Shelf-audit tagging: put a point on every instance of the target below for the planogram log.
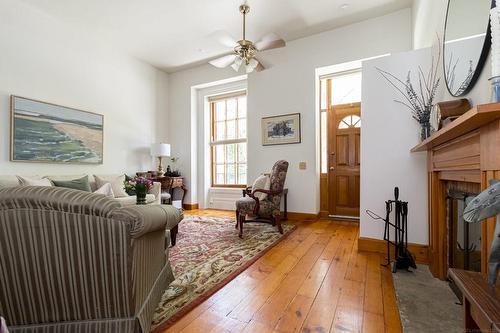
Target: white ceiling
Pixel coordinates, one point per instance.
(174, 34)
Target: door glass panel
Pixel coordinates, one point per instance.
(324, 145)
(346, 88)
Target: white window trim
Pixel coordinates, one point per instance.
(200, 95)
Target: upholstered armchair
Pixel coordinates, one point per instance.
(267, 209)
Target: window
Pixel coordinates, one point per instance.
(229, 140)
(350, 122)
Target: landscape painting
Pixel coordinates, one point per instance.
(278, 130)
(45, 132)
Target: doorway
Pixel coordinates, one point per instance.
(340, 145)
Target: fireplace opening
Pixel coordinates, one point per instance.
(464, 239)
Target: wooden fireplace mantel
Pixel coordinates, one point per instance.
(473, 119)
(466, 153)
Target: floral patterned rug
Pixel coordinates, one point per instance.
(208, 255)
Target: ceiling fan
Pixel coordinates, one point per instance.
(244, 51)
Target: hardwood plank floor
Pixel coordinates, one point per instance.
(313, 281)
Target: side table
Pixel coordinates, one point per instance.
(169, 184)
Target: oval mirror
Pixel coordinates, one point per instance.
(466, 43)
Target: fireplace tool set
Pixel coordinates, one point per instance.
(403, 259)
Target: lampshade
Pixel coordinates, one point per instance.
(160, 149)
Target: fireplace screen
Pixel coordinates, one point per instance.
(464, 239)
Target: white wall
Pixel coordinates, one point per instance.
(42, 59)
(388, 134)
(428, 23)
(287, 86)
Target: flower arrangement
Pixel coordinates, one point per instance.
(140, 186)
(418, 97)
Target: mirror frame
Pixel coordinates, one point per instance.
(482, 57)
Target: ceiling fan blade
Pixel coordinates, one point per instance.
(259, 67)
(225, 38)
(269, 41)
(224, 61)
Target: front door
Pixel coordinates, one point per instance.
(344, 134)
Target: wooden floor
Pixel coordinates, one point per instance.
(313, 281)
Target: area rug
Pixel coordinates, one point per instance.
(426, 304)
(208, 255)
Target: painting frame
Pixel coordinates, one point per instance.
(99, 146)
(266, 122)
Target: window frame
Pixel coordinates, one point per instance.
(214, 143)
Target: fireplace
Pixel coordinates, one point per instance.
(464, 239)
(462, 157)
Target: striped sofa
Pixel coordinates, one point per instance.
(72, 261)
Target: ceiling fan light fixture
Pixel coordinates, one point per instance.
(237, 64)
(245, 50)
(251, 65)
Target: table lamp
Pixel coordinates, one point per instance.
(160, 150)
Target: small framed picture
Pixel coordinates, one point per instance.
(281, 130)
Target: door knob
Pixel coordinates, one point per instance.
(332, 168)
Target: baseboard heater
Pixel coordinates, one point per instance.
(343, 217)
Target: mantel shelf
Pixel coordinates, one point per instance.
(472, 120)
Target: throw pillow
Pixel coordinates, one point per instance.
(262, 182)
(117, 184)
(105, 189)
(81, 184)
(34, 182)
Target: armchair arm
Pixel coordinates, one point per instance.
(257, 203)
(156, 190)
(268, 192)
(145, 219)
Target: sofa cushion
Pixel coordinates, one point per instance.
(25, 181)
(81, 184)
(132, 200)
(8, 181)
(116, 181)
(105, 189)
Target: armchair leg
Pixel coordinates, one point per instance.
(237, 219)
(241, 220)
(173, 234)
(277, 220)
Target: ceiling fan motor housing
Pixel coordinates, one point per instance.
(245, 50)
(244, 9)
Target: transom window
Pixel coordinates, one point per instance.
(352, 121)
(229, 140)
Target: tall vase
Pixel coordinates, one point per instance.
(140, 192)
(425, 130)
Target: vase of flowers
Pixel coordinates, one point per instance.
(425, 130)
(140, 186)
(418, 96)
